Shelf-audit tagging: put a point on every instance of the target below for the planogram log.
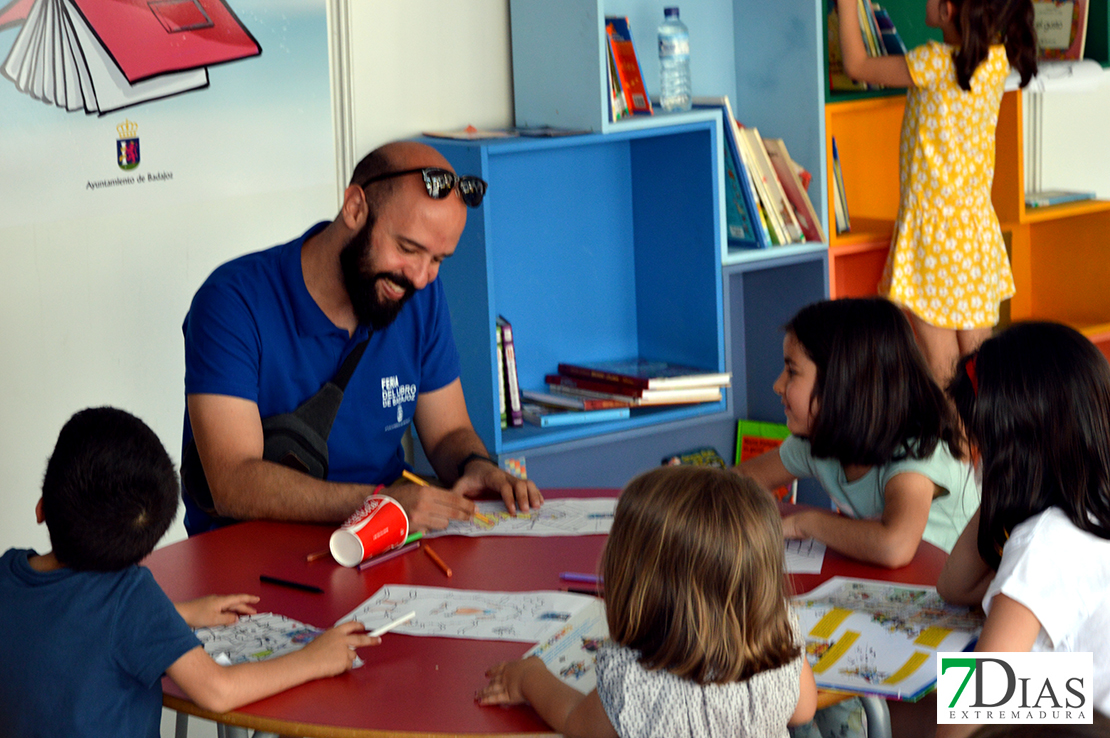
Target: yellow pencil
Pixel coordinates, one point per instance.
(414, 479)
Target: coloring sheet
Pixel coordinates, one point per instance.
(255, 638)
(880, 638)
(563, 517)
(457, 613)
(804, 556)
(571, 652)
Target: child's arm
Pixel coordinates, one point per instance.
(767, 469)
(965, 577)
(562, 707)
(1012, 627)
(807, 701)
(890, 71)
(205, 612)
(223, 688)
(890, 541)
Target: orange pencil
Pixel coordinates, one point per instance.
(438, 561)
(316, 556)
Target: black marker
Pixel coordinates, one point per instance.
(287, 583)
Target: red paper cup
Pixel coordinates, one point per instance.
(379, 525)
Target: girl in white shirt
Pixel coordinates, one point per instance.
(1035, 402)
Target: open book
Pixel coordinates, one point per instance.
(880, 638)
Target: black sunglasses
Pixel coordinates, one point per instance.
(439, 183)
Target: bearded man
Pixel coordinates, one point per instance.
(267, 330)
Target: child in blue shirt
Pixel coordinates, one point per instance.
(90, 633)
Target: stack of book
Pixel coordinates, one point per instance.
(762, 179)
(611, 385)
(880, 37)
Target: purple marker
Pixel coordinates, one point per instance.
(571, 576)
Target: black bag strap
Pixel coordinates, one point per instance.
(347, 368)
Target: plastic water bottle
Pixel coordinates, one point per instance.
(674, 63)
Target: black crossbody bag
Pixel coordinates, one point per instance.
(297, 439)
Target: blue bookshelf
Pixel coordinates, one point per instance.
(598, 246)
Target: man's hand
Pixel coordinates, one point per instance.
(431, 508)
(517, 493)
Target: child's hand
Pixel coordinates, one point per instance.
(791, 528)
(334, 649)
(505, 682)
(212, 610)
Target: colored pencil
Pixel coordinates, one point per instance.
(292, 585)
(582, 591)
(414, 479)
(573, 576)
(393, 624)
(316, 556)
(438, 561)
(380, 558)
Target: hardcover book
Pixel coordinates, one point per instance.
(792, 187)
(547, 417)
(645, 374)
(1045, 198)
(568, 402)
(595, 389)
(1061, 28)
(512, 387)
(628, 68)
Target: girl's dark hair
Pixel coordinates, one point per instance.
(876, 400)
(110, 491)
(985, 22)
(693, 573)
(1035, 401)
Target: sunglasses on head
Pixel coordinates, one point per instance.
(439, 183)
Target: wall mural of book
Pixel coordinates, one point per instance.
(100, 56)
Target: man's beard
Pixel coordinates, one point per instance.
(362, 288)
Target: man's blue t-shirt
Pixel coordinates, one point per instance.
(84, 652)
(253, 331)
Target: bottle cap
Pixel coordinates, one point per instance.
(668, 12)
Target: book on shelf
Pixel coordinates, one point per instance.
(595, 389)
(512, 386)
(838, 78)
(618, 107)
(892, 41)
(623, 49)
(746, 227)
(1046, 198)
(547, 417)
(1061, 27)
(840, 198)
(501, 377)
(645, 374)
(704, 456)
(795, 192)
(777, 205)
(755, 438)
(568, 402)
(870, 28)
(881, 638)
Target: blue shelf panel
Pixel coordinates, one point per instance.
(594, 247)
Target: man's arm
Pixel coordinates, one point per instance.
(228, 433)
(448, 438)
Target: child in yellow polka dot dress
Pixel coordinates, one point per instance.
(948, 264)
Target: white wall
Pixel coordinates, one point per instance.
(91, 310)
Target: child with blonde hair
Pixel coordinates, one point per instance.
(703, 640)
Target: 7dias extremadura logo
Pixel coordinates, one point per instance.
(1014, 688)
